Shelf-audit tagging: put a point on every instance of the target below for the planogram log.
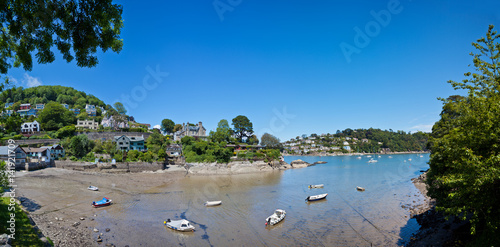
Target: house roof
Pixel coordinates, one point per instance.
(132, 138)
(4, 150)
(34, 150)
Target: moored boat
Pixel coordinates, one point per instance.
(94, 188)
(104, 202)
(213, 203)
(278, 216)
(316, 186)
(316, 197)
(360, 188)
(372, 161)
(179, 225)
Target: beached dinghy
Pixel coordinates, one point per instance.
(104, 202)
(316, 197)
(213, 203)
(275, 218)
(93, 188)
(360, 188)
(179, 225)
(316, 186)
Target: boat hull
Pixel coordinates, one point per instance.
(316, 197)
(213, 203)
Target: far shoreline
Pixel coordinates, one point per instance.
(357, 154)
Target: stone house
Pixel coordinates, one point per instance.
(188, 130)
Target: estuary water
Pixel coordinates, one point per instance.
(346, 218)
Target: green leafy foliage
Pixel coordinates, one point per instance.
(75, 28)
(25, 233)
(464, 173)
(167, 125)
(55, 116)
(80, 145)
(4, 182)
(223, 132)
(203, 151)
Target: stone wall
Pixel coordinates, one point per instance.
(73, 165)
(110, 135)
(45, 142)
(119, 166)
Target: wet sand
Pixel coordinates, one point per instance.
(60, 203)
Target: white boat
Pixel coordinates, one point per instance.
(316, 186)
(359, 157)
(275, 218)
(372, 161)
(390, 157)
(94, 188)
(179, 225)
(213, 203)
(409, 159)
(421, 156)
(380, 156)
(316, 197)
(369, 156)
(360, 188)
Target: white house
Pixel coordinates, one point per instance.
(90, 109)
(30, 127)
(40, 154)
(87, 124)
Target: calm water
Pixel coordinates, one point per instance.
(346, 218)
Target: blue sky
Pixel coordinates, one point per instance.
(282, 63)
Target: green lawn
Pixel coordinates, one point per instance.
(25, 234)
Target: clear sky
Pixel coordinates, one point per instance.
(292, 67)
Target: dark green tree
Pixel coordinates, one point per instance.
(55, 116)
(76, 28)
(80, 145)
(464, 173)
(167, 125)
(270, 141)
(242, 127)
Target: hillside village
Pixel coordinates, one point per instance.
(68, 126)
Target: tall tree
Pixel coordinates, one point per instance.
(223, 132)
(464, 173)
(270, 141)
(120, 108)
(177, 127)
(242, 127)
(75, 28)
(167, 126)
(80, 145)
(55, 116)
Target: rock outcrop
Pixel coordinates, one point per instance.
(299, 164)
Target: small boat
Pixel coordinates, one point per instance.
(104, 202)
(380, 156)
(316, 197)
(212, 203)
(275, 218)
(94, 188)
(359, 157)
(409, 159)
(360, 188)
(390, 157)
(369, 156)
(316, 186)
(421, 156)
(372, 161)
(179, 225)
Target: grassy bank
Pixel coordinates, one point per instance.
(25, 235)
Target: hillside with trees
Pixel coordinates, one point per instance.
(358, 141)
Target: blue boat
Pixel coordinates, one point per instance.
(104, 202)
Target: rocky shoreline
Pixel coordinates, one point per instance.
(434, 230)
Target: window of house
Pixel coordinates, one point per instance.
(121, 143)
